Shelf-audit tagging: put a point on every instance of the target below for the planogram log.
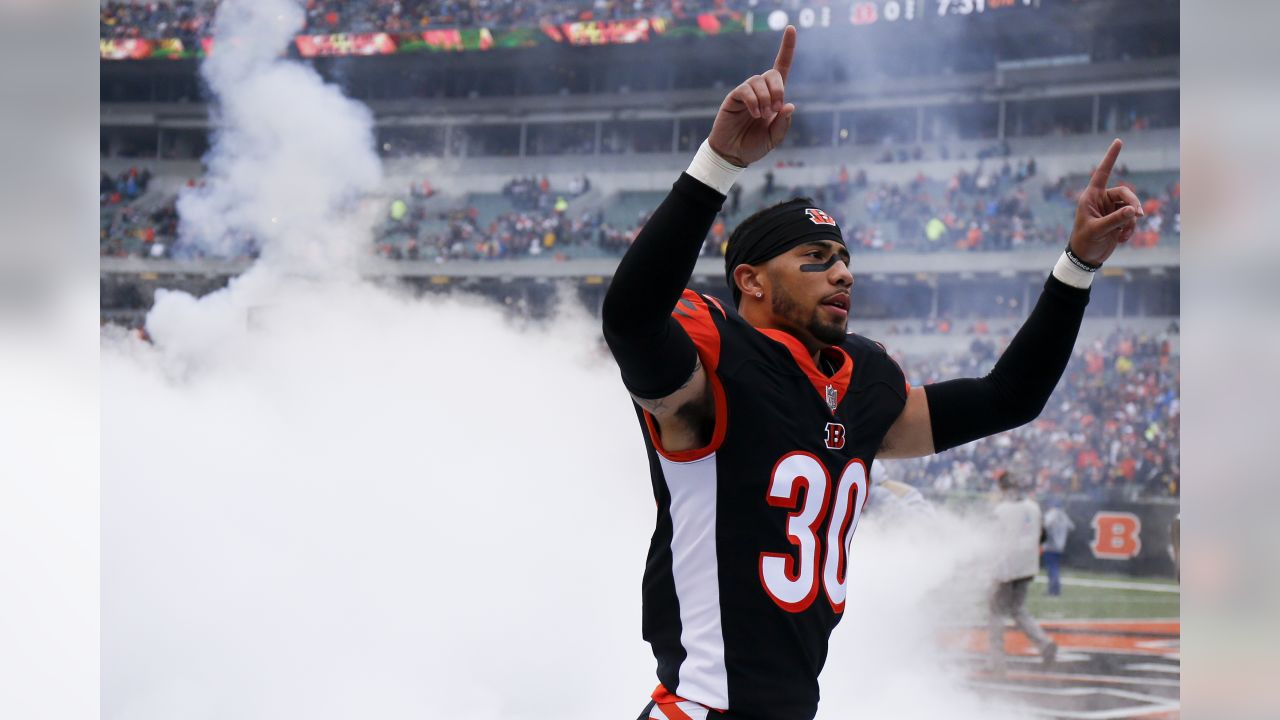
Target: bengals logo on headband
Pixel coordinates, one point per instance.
(819, 218)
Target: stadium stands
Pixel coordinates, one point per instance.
(179, 18)
(125, 19)
(989, 209)
(952, 166)
(1110, 431)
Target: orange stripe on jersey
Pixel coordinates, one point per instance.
(673, 711)
(717, 435)
(694, 316)
(665, 698)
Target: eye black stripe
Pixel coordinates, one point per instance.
(819, 267)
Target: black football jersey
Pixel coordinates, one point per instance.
(745, 578)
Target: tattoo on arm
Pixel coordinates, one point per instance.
(655, 406)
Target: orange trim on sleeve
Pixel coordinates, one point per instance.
(694, 316)
(717, 435)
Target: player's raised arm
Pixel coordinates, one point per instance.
(943, 415)
(659, 362)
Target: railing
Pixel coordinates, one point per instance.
(938, 264)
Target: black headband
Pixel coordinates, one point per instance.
(774, 231)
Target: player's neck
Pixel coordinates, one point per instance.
(761, 319)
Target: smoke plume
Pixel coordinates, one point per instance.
(291, 155)
(325, 499)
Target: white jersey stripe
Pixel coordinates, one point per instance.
(692, 485)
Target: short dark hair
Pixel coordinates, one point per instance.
(744, 227)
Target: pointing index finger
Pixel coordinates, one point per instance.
(1103, 171)
(785, 52)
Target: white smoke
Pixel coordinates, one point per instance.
(291, 155)
(366, 505)
(914, 579)
(325, 499)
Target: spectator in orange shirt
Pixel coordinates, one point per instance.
(972, 239)
(1127, 468)
(717, 230)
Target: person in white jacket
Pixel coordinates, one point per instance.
(1018, 523)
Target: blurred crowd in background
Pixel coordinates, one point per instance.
(1110, 431)
(179, 18)
(1000, 205)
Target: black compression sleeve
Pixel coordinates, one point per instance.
(1017, 388)
(654, 353)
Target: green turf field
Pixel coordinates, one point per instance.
(1104, 596)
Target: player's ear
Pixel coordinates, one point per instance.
(750, 280)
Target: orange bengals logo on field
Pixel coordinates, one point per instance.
(1116, 535)
(819, 218)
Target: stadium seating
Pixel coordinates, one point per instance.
(601, 225)
(172, 18)
(1110, 431)
(953, 178)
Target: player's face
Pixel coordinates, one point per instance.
(810, 291)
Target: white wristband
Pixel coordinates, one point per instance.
(712, 170)
(1070, 274)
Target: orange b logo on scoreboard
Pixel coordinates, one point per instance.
(819, 218)
(1116, 536)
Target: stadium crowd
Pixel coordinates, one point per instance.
(182, 18)
(132, 230)
(122, 188)
(185, 19)
(1110, 431)
(537, 222)
(982, 210)
(149, 229)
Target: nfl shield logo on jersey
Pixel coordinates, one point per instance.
(831, 398)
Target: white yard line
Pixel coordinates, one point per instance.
(1083, 679)
(1116, 584)
(1111, 621)
(1150, 704)
(1155, 667)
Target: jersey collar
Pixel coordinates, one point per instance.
(839, 382)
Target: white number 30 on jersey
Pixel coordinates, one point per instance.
(794, 590)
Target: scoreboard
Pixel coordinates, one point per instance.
(874, 12)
